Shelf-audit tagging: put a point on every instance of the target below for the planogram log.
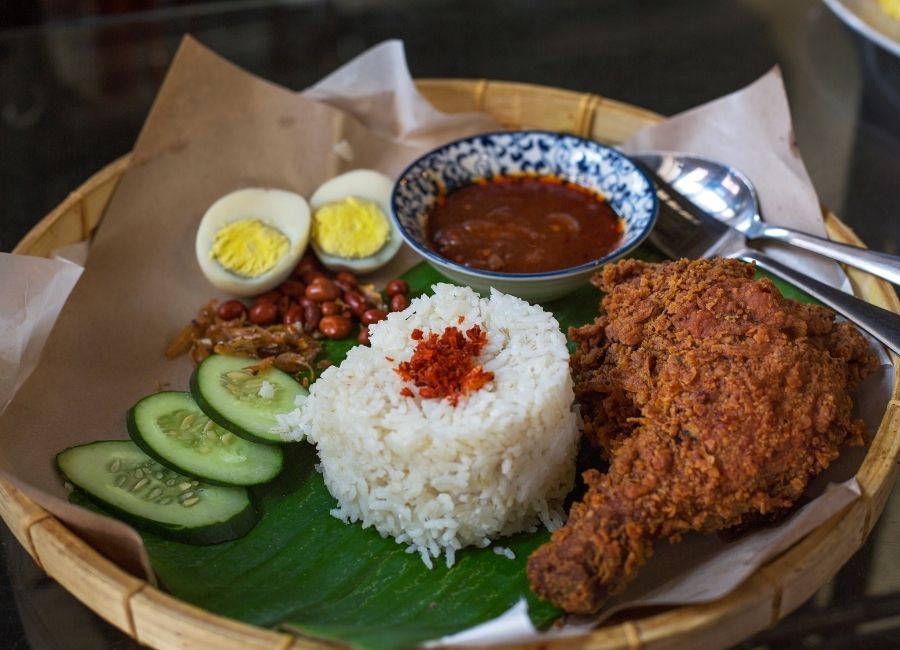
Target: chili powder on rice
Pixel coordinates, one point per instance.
(444, 366)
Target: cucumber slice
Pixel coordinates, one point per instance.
(122, 479)
(171, 429)
(230, 395)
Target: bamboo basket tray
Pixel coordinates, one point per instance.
(158, 620)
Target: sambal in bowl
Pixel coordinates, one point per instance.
(531, 213)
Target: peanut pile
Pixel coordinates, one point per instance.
(287, 322)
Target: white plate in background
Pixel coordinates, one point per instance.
(869, 19)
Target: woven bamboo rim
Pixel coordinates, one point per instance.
(158, 620)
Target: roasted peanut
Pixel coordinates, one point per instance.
(293, 288)
(347, 278)
(321, 289)
(284, 303)
(268, 296)
(399, 302)
(335, 327)
(363, 336)
(329, 308)
(343, 287)
(372, 316)
(395, 287)
(294, 315)
(230, 309)
(311, 315)
(263, 313)
(310, 276)
(356, 302)
(307, 263)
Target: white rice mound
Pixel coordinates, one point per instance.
(439, 477)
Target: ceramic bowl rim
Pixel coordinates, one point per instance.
(559, 273)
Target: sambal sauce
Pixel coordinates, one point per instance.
(523, 224)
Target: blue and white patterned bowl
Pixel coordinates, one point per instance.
(584, 162)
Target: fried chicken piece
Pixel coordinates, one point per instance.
(715, 400)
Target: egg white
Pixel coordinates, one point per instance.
(363, 184)
(284, 211)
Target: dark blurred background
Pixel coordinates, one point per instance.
(78, 76)
(19, 13)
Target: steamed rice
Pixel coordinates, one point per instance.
(439, 477)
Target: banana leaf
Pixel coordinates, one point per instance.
(304, 571)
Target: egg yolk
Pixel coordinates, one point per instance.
(350, 228)
(248, 247)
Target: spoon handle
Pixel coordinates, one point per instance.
(880, 264)
(884, 325)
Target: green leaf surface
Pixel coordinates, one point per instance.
(302, 570)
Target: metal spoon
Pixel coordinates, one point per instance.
(683, 229)
(728, 195)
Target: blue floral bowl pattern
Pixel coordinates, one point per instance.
(584, 162)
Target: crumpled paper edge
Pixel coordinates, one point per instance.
(32, 298)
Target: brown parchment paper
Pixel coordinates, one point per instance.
(215, 128)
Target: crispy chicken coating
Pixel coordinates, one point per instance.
(715, 400)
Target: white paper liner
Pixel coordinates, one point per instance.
(32, 293)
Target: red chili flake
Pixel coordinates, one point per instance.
(389, 359)
(460, 319)
(444, 366)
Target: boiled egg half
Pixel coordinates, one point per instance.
(351, 229)
(249, 241)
